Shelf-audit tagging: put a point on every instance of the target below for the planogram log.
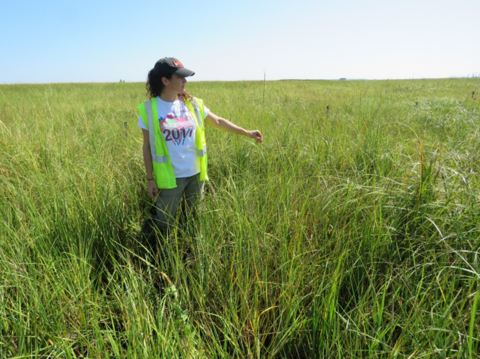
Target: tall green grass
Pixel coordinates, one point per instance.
(352, 232)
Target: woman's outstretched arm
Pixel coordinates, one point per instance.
(225, 125)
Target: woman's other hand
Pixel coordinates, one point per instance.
(152, 189)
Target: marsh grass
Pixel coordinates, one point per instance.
(352, 233)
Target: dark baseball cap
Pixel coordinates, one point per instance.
(170, 65)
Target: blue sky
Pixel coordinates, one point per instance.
(105, 40)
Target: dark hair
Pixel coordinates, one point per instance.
(155, 85)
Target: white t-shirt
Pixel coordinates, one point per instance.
(178, 129)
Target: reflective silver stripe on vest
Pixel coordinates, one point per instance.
(151, 133)
(197, 113)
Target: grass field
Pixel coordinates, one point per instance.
(348, 233)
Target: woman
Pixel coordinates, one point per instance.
(174, 147)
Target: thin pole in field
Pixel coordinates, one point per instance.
(264, 83)
(126, 128)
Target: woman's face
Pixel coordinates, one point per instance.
(176, 84)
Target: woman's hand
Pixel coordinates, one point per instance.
(152, 189)
(256, 135)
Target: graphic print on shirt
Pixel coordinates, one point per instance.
(177, 128)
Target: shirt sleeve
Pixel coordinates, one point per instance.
(206, 111)
(141, 124)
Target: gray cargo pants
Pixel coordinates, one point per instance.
(190, 189)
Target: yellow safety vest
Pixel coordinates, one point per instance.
(162, 165)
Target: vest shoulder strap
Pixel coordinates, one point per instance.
(197, 109)
(142, 111)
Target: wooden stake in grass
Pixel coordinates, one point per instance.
(126, 128)
(264, 83)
